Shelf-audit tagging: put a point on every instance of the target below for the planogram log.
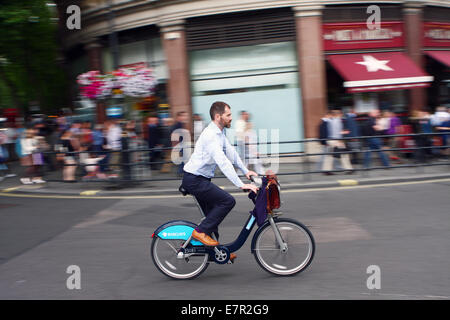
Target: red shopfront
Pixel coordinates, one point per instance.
(436, 42)
(369, 69)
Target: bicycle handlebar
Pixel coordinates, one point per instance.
(256, 180)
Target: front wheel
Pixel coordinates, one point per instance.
(297, 253)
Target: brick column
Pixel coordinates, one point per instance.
(174, 44)
(412, 14)
(94, 52)
(311, 66)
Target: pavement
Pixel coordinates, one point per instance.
(291, 176)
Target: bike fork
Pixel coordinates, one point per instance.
(281, 243)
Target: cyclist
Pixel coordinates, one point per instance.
(213, 149)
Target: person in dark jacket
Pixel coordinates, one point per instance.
(323, 134)
(153, 140)
(445, 128)
(351, 125)
(335, 131)
(372, 129)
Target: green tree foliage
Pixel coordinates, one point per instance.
(29, 70)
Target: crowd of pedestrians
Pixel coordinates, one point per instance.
(336, 125)
(98, 151)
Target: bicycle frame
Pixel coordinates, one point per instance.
(192, 246)
(240, 240)
(190, 249)
(243, 235)
(183, 257)
(182, 230)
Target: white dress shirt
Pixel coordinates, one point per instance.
(113, 137)
(335, 128)
(211, 150)
(439, 117)
(28, 145)
(240, 127)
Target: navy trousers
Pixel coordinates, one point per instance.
(215, 202)
(374, 144)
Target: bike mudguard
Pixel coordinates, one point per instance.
(178, 229)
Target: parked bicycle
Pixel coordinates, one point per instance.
(281, 246)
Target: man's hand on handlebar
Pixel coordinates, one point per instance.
(250, 187)
(250, 174)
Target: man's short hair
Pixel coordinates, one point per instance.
(217, 107)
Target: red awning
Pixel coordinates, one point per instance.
(441, 56)
(365, 72)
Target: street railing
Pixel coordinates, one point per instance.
(135, 161)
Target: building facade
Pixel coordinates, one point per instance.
(285, 62)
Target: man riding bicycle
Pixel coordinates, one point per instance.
(213, 149)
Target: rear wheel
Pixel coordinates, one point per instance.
(164, 254)
(288, 261)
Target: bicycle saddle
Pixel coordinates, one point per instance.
(183, 191)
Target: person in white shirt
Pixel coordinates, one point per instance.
(336, 130)
(29, 144)
(214, 150)
(114, 144)
(440, 116)
(251, 140)
(198, 126)
(240, 127)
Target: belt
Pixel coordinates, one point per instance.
(196, 176)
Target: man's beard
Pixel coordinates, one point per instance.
(225, 124)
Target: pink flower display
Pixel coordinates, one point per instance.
(94, 85)
(134, 82)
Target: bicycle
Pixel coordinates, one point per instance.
(281, 246)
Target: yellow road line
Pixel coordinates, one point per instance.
(42, 196)
(348, 182)
(89, 192)
(10, 189)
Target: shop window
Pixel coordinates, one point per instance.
(260, 79)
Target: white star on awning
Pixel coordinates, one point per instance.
(373, 64)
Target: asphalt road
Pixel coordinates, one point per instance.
(402, 229)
